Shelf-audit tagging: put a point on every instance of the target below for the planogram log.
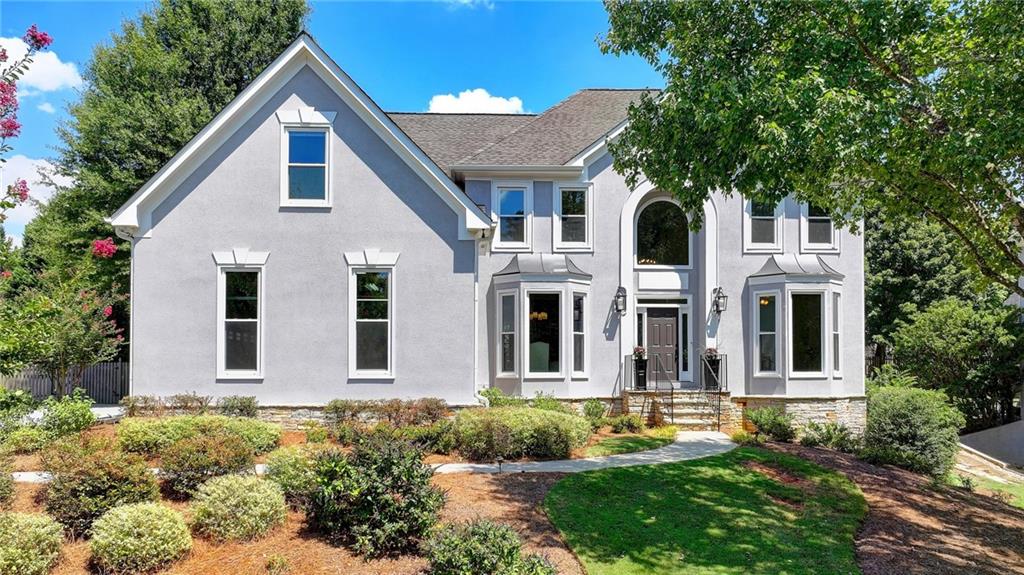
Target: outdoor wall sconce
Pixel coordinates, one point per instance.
(720, 302)
(620, 300)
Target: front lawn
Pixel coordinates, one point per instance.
(1012, 492)
(746, 511)
(616, 444)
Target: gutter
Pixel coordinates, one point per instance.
(556, 171)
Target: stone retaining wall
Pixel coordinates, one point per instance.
(850, 411)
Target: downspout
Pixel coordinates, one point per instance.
(476, 319)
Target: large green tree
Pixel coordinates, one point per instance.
(148, 92)
(910, 107)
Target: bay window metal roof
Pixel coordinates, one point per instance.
(793, 265)
(543, 265)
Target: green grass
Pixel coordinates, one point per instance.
(710, 516)
(625, 444)
(1015, 491)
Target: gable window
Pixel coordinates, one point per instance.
(767, 322)
(513, 204)
(579, 334)
(573, 219)
(544, 336)
(763, 227)
(662, 235)
(836, 354)
(240, 314)
(507, 334)
(817, 232)
(373, 317)
(807, 333)
(307, 165)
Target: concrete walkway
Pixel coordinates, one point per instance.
(688, 445)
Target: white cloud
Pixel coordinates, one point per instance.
(475, 102)
(26, 168)
(47, 107)
(485, 4)
(46, 73)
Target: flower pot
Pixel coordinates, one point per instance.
(640, 376)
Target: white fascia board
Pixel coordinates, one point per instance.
(135, 214)
(479, 171)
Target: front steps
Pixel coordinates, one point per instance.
(689, 410)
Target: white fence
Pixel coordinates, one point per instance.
(104, 382)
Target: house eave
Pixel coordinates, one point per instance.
(471, 171)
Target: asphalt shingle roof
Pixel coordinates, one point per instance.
(447, 138)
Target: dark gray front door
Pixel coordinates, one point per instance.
(662, 345)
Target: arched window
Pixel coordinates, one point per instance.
(662, 235)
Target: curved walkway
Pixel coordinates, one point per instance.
(688, 445)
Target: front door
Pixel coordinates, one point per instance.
(662, 345)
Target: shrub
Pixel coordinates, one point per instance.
(190, 462)
(549, 403)
(26, 439)
(29, 543)
(890, 376)
(913, 428)
(345, 410)
(152, 435)
(238, 406)
(593, 409)
(67, 415)
(139, 538)
(345, 433)
(431, 410)
(830, 434)
(513, 432)
(772, 422)
(92, 476)
(238, 507)
(277, 565)
(743, 438)
(142, 405)
(481, 548)
(293, 470)
(438, 437)
(379, 497)
(16, 401)
(189, 403)
(6, 482)
(629, 422)
(315, 432)
(497, 398)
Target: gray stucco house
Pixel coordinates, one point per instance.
(307, 246)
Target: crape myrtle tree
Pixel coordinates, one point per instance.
(911, 108)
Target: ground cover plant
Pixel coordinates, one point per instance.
(746, 511)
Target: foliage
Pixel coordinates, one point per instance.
(913, 428)
(852, 106)
(146, 435)
(620, 520)
(26, 439)
(550, 403)
(29, 543)
(190, 462)
(238, 507)
(438, 437)
(277, 565)
(972, 353)
(92, 476)
(397, 412)
(478, 547)
(142, 405)
(316, 432)
(139, 538)
(378, 498)
(292, 468)
(67, 415)
(6, 481)
(890, 376)
(345, 433)
(238, 406)
(772, 422)
(188, 403)
(496, 398)
(830, 434)
(17, 401)
(627, 422)
(513, 432)
(593, 409)
(745, 439)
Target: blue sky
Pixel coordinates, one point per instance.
(512, 56)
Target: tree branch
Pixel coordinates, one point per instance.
(979, 259)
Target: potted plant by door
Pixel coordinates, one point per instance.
(640, 368)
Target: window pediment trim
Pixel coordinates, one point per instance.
(306, 116)
(241, 257)
(371, 257)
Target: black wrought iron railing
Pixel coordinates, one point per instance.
(654, 378)
(713, 381)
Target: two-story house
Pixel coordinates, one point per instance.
(307, 246)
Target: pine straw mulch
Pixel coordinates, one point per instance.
(515, 499)
(914, 527)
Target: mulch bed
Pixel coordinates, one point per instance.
(515, 499)
(913, 527)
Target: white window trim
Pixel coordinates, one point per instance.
(517, 334)
(239, 266)
(806, 246)
(836, 318)
(682, 307)
(586, 335)
(756, 333)
(749, 246)
(308, 120)
(636, 230)
(557, 245)
(525, 322)
(372, 260)
(825, 334)
(527, 244)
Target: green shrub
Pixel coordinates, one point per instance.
(67, 415)
(550, 403)
(378, 498)
(151, 435)
(139, 538)
(438, 437)
(741, 437)
(830, 434)
(189, 403)
(6, 482)
(593, 409)
(29, 543)
(913, 428)
(513, 432)
(293, 470)
(890, 376)
(26, 439)
(92, 476)
(345, 433)
(142, 405)
(16, 401)
(497, 398)
(316, 432)
(238, 406)
(190, 462)
(345, 410)
(238, 507)
(629, 422)
(481, 548)
(772, 422)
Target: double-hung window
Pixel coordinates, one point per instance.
(573, 218)
(763, 231)
(512, 204)
(836, 351)
(767, 333)
(507, 333)
(307, 179)
(817, 232)
(544, 320)
(240, 336)
(579, 334)
(373, 319)
(807, 333)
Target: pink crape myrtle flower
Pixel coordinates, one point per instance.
(5, 274)
(104, 248)
(3, 55)
(19, 190)
(36, 39)
(108, 311)
(8, 98)
(9, 128)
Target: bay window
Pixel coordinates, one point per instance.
(836, 351)
(767, 329)
(579, 334)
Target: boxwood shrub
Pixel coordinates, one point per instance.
(151, 435)
(29, 543)
(191, 461)
(913, 428)
(139, 538)
(481, 547)
(238, 507)
(513, 432)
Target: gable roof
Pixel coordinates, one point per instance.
(135, 215)
(447, 138)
